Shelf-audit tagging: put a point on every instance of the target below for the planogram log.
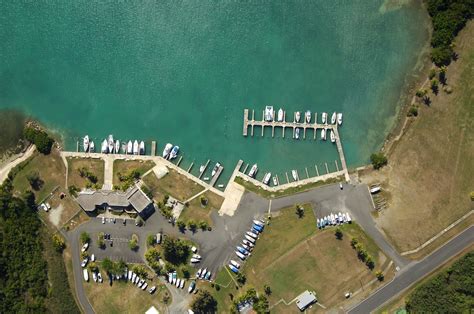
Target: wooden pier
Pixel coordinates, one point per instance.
(153, 148)
(216, 176)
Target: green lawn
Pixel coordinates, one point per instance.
(95, 166)
(198, 212)
(124, 167)
(173, 184)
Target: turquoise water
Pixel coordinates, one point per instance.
(183, 71)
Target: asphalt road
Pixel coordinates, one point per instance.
(415, 272)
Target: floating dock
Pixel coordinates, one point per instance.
(216, 176)
(153, 148)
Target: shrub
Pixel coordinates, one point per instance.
(73, 190)
(434, 86)
(40, 138)
(100, 240)
(267, 289)
(133, 244)
(380, 276)
(378, 160)
(181, 225)
(338, 233)
(140, 271)
(175, 250)
(204, 201)
(192, 225)
(299, 211)
(413, 112)
(150, 240)
(85, 237)
(203, 225)
(34, 180)
(432, 74)
(58, 243)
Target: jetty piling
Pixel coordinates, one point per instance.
(190, 166)
(153, 148)
(327, 169)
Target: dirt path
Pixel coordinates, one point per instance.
(4, 171)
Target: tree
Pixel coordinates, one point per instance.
(85, 238)
(338, 233)
(30, 199)
(203, 225)
(378, 160)
(133, 244)
(354, 242)
(100, 240)
(108, 265)
(299, 211)
(73, 190)
(192, 225)
(152, 255)
(369, 261)
(267, 289)
(413, 111)
(140, 271)
(185, 272)
(181, 225)
(241, 279)
(40, 138)
(380, 276)
(434, 86)
(432, 73)
(260, 305)
(204, 201)
(175, 250)
(34, 180)
(58, 243)
(150, 240)
(204, 302)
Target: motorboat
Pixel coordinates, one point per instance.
(266, 178)
(269, 113)
(135, 147)
(333, 118)
(117, 147)
(144, 286)
(323, 134)
(280, 115)
(129, 147)
(111, 144)
(202, 168)
(195, 260)
(174, 152)
(142, 148)
(203, 273)
(234, 263)
(104, 148)
(208, 275)
(91, 147)
(251, 234)
(247, 242)
(253, 171)
(167, 150)
(297, 116)
(318, 223)
(192, 285)
(233, 268)
(178, 282)
(86, 274)
(307, 116)
(297, 133)
(85, 143)
(198, 274)
(197, 256)
(214, 170)
(258, 222)
(324, 117)
(240, 255)
(249, 238)
(333, 136)
(339, 118)
(294, 173)
(206, 179)
(275, 181)
(181, 286)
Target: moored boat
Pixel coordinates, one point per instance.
(129, 147)
(135, 147)
(104, 148)
(297, 116)
(266, 178)
(85, 143)
(339, 118)
(91, 147)
(280, 115)
(167, 150)
(269, 113)
(275, 181)
(214, 170)
(142, 148)
(297, 133)
(253, 171)
(111, 143)
(202, 168)
(174, 152)
(333, 118)
(308, 116)
(117, 147)
(323, 134)
(294, 173)
(324, 117)
(333, 136)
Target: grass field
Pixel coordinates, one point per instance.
(95, 166)
(197, 212)
(126, 166)
(430, 170)
(124, 297)
(292, 256)
(51, 171)
(174, 184)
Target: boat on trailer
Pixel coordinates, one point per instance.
(85, 143)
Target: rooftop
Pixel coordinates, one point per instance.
(305, 299)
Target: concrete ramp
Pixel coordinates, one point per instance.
(233, 194)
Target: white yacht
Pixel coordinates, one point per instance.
(280, 115)
(333, 136)
(142, 148)
(297, 116)
(339, 118)
(323, 134)
(105, 147)
(324, 117)
(129, 147)
(214, 170)
(167, 150)
(307, 115)
(297, 133)
(294, 173)
(266, 178)
(269, 113)
(85, 143)
(174, 152)
(135, 147)
(333, 118)
(275, 181)
(202, 168)
(91, 147)
(253, 171)
(117, 147)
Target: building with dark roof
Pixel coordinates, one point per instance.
(132, 201)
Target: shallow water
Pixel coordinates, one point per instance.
(182, 72)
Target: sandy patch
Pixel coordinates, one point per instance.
(55, 215)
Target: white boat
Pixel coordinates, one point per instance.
(178, 282)
(174, 152)
(307, 116)
(269, 113)
(197, 256)
(253, 171)
(86, 274)
(297, 116)
(104, 148)
(117, 147)
(94, 276)
(167, 150)
(333, 136)
(142, 148)
(249, 238)
(324, 117)
(202, 168)
(85, 143)
(297, 133)
(348, 218)
(240, 255)
(339, 118)
(323, 134)
(333, 118)
(294, 173)
(99, 277)
(214, 170)
(258, 222)
(280, 115)
(220, 185)
(135, 147)
(170, 277)
(195, 260)
(91, 147)
(203, 273)
(251, 234)
(235, 264)
(275, 181)
(266, 178)
(182, 284)
(191, 286)
(129, 147)
(206, 179)
(111, 143)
